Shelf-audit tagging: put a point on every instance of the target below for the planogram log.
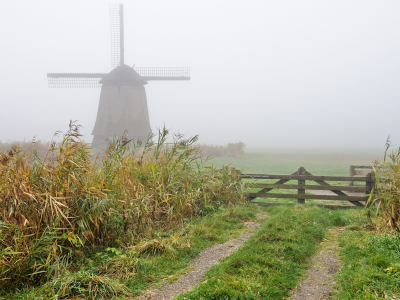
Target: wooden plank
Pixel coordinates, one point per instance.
(271, 186)
(352, 169)
(362, 167)
(331, 206)
(304, 196)
(282, 181)
(303, 177)
(362, 172)
(301, 191)
(337, 192)
(255, 176)
(368, 183)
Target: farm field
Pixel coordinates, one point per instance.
(282, 162)
(330, 163)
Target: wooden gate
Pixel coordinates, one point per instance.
(353, 171)
(302, 176)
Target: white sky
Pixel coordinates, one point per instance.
(267, 73)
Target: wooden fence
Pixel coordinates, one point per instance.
(302, 176)
(353, 171)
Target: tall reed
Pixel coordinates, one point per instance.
(73, 198)
(386, 197)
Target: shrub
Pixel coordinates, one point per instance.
(386, 198)
(51, 207)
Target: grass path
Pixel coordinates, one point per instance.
(319, 280)
(200, 265)
(273, 260)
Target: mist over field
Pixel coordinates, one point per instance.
(272, 74)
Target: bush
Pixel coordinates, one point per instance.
(386, 198)
(51, 207)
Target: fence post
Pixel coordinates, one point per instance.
(368, 184)
(352, 173)
(302, 171)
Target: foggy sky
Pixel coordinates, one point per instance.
(267, 73)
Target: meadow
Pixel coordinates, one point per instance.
(78, 224)
(317, 162)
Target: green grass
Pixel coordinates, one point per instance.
(123, 272)
(317, 163)
(272, 261)
(371, 265)
(266, 267)
(278, 163)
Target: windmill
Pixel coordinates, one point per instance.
(123, 103)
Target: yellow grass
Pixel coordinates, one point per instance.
(52, 206)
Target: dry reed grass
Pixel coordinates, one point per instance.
(52, 205)
(40, 148)
(386, 196)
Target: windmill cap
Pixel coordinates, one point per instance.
(123, 75)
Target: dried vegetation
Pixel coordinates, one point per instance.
(386, 198)
(53, 205)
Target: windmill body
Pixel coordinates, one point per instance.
(122, 106)
(123, 102)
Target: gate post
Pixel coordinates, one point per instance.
(368, 184)
(352, 173)
(302, 171)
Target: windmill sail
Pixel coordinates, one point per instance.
(117, 34)
(74, 80)
(91, 80)
(156, 73)
(123, 102)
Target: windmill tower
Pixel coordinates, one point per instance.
(123, 102)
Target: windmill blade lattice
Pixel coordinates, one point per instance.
(164, 73)
(122, 89)
(74, 80)
(117, 34)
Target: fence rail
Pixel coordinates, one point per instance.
(301, 175)
(304, 177)
(353, 171)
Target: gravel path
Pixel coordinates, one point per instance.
(320, 276)
(200, 265)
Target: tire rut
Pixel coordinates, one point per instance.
(200, 265)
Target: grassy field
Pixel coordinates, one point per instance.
(318, 163)
(333, 163)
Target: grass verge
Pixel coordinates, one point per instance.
(371, 265)
(121, 273)
(272, 261)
